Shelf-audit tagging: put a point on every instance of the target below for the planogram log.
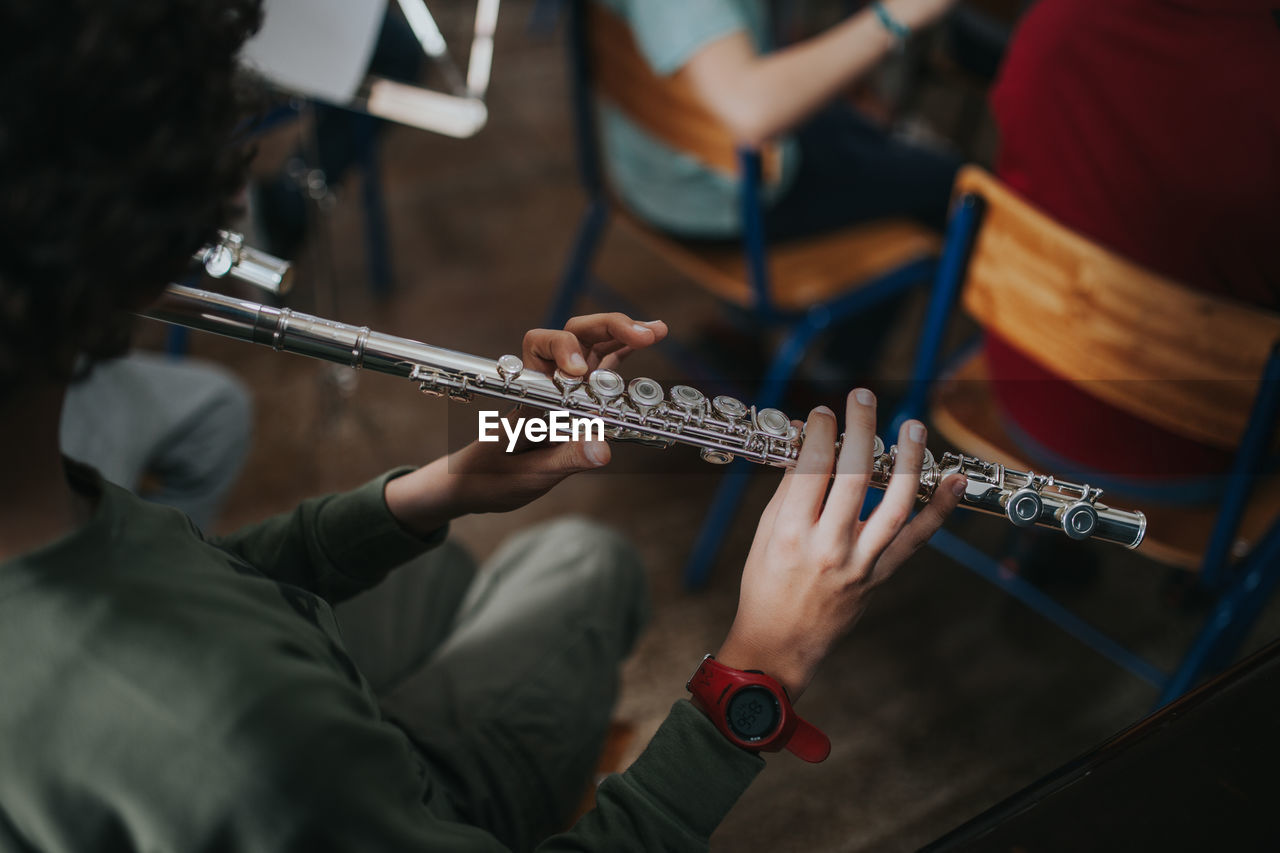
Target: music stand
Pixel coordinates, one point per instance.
(320, 49)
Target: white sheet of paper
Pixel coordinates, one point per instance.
(318, 48)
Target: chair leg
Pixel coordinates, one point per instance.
(786, 359)
(952, 269)
(576, 273)
(724, 506)
(982, 565)
(1249, 458)
(1231, 618)
(725, 503)
(377, 250)
(544, 17)
(176, 341)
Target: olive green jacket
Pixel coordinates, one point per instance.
(161, 691)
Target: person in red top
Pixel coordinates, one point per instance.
(1151, 127)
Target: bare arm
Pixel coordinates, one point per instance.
(760, 97)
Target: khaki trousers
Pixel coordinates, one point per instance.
(505, 677)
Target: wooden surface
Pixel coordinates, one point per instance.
(666, 107)
(964, 412)
(802, 273)
(1184, 360)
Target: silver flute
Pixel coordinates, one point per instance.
(641, 410)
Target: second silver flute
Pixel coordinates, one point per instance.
(640, 410)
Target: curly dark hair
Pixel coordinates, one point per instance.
(118, 159)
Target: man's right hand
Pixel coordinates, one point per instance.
(813, 563)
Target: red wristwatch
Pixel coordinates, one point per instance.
(753, 711)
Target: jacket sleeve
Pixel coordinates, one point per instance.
(340, 780)
(674, 795)
(334, 546)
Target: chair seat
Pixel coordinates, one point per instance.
(964, 412)
(802, 273)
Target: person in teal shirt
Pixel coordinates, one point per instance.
(339, 677)
(837, 168)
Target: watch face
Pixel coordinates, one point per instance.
(754, 713)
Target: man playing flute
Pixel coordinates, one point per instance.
(171, 691)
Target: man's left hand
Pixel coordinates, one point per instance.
(484, 477)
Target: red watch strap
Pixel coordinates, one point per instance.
(713, 684)
(809, 742)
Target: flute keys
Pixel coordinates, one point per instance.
(927, 462)
(716, 457)
(731, 407)
(1023, 507)
(689, 399)
(605, 385)
(565, 382)
(1078, 520)
(644, 393)
(775, 423)
(510, 367)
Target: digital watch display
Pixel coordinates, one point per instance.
(753, 711)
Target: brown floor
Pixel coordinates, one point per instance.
(946, 698)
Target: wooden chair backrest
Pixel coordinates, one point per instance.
(1182, 359)
(667, 108)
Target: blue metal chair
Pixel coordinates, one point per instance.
(798, 289)
(998, 252)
